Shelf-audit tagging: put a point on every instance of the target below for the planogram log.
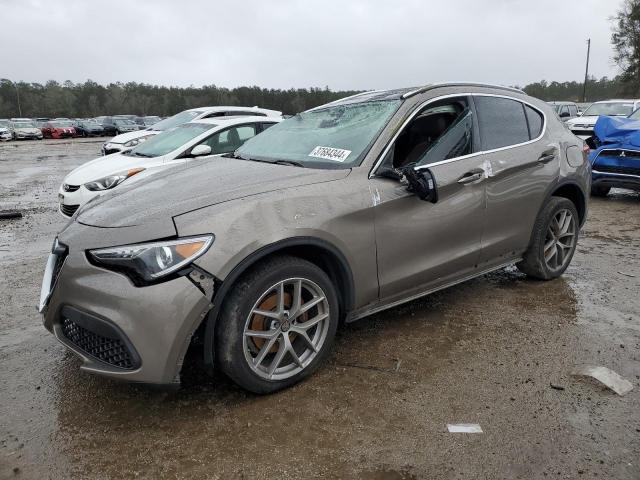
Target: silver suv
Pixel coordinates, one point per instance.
(332, 215)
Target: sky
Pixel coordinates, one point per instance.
(347, 44)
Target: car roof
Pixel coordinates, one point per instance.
(232, 120)
(271, 113)
(403, 93)
(561, 102)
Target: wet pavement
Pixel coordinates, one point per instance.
(486, 352)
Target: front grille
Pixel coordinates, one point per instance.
(112, 351)
(618, 169)
(620, 153)
(70, 188)
(68, 210)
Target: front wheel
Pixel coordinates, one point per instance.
(277, 325)
(554, 240)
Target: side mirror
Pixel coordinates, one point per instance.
(200, 150)
(421, 182)
(565, 115)
(579, 113)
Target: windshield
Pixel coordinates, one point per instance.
(332, 137)
(122, 121)
(151, 120)
(166, 142)
(609, 108)
(24, 125)
(62, 124)
(177, 119)
(635, 115)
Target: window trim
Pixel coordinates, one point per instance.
(385, 151)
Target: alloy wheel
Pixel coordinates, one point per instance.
(560, 240)
(286, 329)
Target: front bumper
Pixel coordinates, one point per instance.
(617, 168)
(138, 334)
(109, 148)
(582, 131)
(72, 198)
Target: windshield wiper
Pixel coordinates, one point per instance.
(288, 162)
(250, 159)
(138, 154)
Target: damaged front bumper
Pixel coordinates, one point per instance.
(138, 334)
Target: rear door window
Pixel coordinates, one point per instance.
(502, 122)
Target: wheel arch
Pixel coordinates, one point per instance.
(573, 192)
(317, 251)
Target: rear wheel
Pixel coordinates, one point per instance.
(600, 191)
(554, 240)
(277, 325)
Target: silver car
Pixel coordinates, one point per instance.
(332, 215)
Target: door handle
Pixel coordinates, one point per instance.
(472, 176)
(547, 156)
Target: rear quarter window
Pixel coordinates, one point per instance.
(535, 120)
(502, 122)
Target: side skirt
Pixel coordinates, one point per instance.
(370, 310)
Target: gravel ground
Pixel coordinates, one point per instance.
(486, 351)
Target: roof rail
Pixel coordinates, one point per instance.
(458, 84)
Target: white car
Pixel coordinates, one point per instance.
(131, 139)
(178, 146)
(5, 134)
(582, 126)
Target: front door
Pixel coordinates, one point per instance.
(423, 245)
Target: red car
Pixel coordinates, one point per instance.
(58, 129)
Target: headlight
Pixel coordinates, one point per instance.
(111, 181)
(136, 141)
(147, 262)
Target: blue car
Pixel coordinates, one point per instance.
(615, 160)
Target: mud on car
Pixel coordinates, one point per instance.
(332, 215)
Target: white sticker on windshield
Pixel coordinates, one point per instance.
(328, 153)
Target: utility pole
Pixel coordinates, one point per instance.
(586, 72)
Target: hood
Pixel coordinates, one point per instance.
(206, 182)
(125, 137)
(64, 129)
(584, 120)
(108, 165)
(27, 129)
(620, 130)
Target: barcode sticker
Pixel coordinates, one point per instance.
(328, 153)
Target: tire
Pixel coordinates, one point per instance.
(259, 289)
(553, 241)
(600, 191)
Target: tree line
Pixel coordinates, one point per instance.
(90, 99)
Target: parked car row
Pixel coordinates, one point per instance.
(259, 236)
(39, 128)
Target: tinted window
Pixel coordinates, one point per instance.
(535, 121)
(502, 122)
(454, 142)
(573, 110)
(230, 140)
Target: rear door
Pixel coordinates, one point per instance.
(523, 161)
